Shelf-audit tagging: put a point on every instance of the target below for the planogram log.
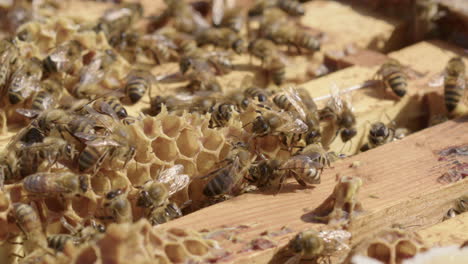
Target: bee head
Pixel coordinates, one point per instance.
(144, 199)
(238, 46)
(378, 130)
(185, 64)
(348, 134)
(312, 137)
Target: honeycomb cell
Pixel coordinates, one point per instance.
(87, 255)
(100, 184)
(189, 166)
(151, 127)
(164, 149)
(187, 142)
(155, 240)
(175, 252)
(4, 232)
(83, 206)
(404, 250)
(177, 232)
(15, 194)
(224, 151)
(155, 169)
(380, 252)
(205, 162)
(195, 247)
(212, 139)
(138, 173)
(171, 126)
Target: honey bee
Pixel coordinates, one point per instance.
(184, 17)
(82, 127)
(28, 221)
(262, 48)
(53, 120)
(310, 244)
(305, 169)
(225, 179)
(461, 206)
(165, 213)
(454, 83)
(229, 16)
(110, 105)
(266, 173)
(156, 193)
(119, 19)
(9, 164)
(63, 57)
(127, 43)
(51, 149)
(340, 112)
(293, 8)
(8, 58)
(185, 43)
(270, 122)
(161, 48)
(221, 37)
(138, 82)
(221, 113)
(119, 206)
(394, 77)
(25, 80)
(260, 6)
(67, 184)
(299, 101)
(93, 73)
(380, 134)
(58, 241)
(200, 73)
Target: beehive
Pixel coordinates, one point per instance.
(185, 138)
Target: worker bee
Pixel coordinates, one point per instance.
(262, 48)
(165, 213)
(461, 206)
(200, 73)
(340, 112)
(127, 43)
(119, 19)
(380, 134)
(306, 169)
(53, 120)
(110, 105)
(9, 167)
(138, 82)
(185, 43)
(93, 73)
(160, 47)
(310, 244)
(184, 17)
(266, 173)
(25, 80)
(58, 241)
(226, 15)
(8, 59)
(156, 193)
(49, 183)
(260, 6)
(293, 8)
(225, 179)
(63, 57)
(221, 113)
(51, 149)
(28, 221)
(221, 37)
(454, 83)
(394, 77)
(119, 207)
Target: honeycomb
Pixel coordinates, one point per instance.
(391, 246)
(138, 242)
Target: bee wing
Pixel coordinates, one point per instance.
(85, 136)
(103, 142)
(170, 78)
(335, 102)
(335, 240)
(174, 178)
(199, 20)
(30, 113)
(91, 74)
(217, 11)
(296, 101)
(106, 108)
(293, 126)
(289, 163)
(115, 14)
(437, 80)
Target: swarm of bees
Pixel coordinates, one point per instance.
(80, 105)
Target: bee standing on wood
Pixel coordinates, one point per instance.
(454, 83)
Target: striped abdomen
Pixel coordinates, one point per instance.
(58, 241)
(256, 93)
(89, 158)
(282, 102)
(396, 80)
(293, 8)
(136, 88)
(306, 41)
(42, 100)
(114, 104)
(220, 184)
(453, 92)
(221, 114)
(27, 217)
(277, 71)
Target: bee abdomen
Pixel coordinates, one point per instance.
(88, 158)
(58, 241)
(49, 65)
(282, 102)
(452, 95)
(291, 7)
(35, 183)
(398, 83)
(218, 185)
(136, 88)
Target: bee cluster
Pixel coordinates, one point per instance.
(93, 151)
